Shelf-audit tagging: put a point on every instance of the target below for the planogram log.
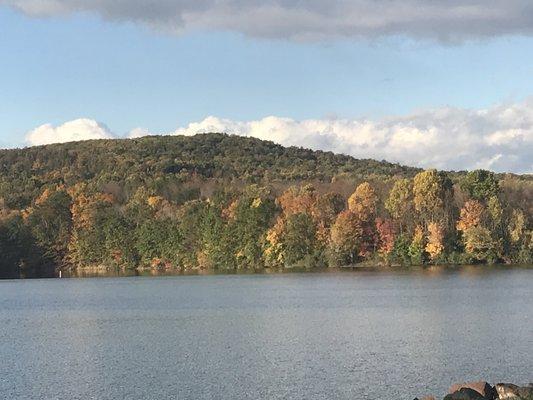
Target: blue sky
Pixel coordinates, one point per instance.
(125, 74)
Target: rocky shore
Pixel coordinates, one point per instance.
(485, 391)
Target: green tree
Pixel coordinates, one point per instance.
(299, 240)
(400, 203)
(190, 219)
(119, 240)
(417, 247)
(401, 253)
(480, 245)
(480, 184)
(251, 217)
(20, 255)
(159, 242)
(50, 222)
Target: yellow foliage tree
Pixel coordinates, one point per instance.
(155, 201)
(274, 254)
(429, 193)
(346, 236)
(435, 237)
(363, 201)
(517, 225)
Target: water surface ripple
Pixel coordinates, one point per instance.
(360, 335)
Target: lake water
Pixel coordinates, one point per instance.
(349, 335)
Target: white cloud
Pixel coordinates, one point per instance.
(499, 138)
(79, 129)
(312, 19)
(138, 132)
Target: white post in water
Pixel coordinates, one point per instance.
(60, 273)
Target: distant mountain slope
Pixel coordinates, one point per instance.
(156, 160)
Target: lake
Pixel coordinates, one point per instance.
(346, 335)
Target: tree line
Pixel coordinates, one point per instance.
(428, 218)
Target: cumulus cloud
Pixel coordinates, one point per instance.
(499, 138)
(312, 19)
(138, 132)
(79, 129)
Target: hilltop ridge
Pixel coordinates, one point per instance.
(166, 160)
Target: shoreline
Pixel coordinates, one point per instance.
(430, 269)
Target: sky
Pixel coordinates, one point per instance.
(445, 84)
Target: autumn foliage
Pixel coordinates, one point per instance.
(185, 219)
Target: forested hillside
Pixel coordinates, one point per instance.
(215, 201)
(164, 163)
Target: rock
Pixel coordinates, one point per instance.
(464, 394)
(526, 392)
(510, 391)
(506, 390)
(483, 388)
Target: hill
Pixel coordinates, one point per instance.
(160, 161)
(215, 201)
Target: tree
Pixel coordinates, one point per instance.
(520, 247)
(299, 239)
(401, 252)
(86, 245)
(495, 211)
(159, 242)
(480, 185)
(471, 215)
(363, 201)
(274, 253)
(324, 212)
(346, 238)
(418, 246)
(298, 200)
(251, 217)
(517, 225)
(292, 242)
(119, 242)
(399, 203)
(435, 238)
(480, 245)
(386, 234)
(50, 222)
(430, 191)
(20, 255)
(191, 221)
